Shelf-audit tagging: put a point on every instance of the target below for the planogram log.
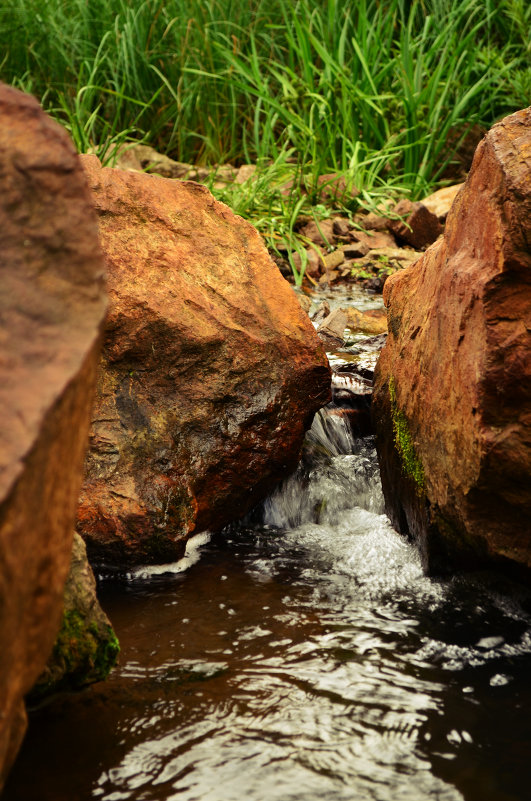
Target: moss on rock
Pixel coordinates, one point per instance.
(86, 648)
(411, 464)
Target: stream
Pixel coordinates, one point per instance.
(299, 655)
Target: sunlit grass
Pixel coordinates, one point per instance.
(380, 91)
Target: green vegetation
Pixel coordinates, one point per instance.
(381, 92)
(83, 653)
(411, 464)
(85, 650)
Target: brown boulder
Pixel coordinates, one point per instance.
(452, 399)
(211, 370)
(51, 308)
(418, 227)
(372, 321)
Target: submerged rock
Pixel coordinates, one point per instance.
(211, 371)
(86, 647)
(452, 396)
(52, 305)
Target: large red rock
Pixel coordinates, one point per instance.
(211, 371)
(51, 309)
(452, 397)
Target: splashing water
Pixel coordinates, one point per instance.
(304, 656)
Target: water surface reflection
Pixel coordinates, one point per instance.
(304, 658)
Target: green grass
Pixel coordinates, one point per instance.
(379, 90)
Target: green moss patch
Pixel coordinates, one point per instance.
(411, 464)
(83, 653)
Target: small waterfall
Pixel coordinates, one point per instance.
(338, 471)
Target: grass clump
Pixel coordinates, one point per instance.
(213, 80)
(381, 92)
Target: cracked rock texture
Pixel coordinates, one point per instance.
(452, 398)
(52, 306)
(211, 371)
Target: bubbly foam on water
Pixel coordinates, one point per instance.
(192, 555)
(346, 705)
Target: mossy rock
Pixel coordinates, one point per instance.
(411, 464)
(86, 648)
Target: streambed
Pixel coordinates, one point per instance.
(299, 655)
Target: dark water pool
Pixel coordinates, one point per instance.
(304, 656)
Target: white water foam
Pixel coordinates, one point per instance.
(192, 555)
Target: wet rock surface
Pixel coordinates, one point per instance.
(352, 383)
(453, 384)
(210, 375)
(52, 305)
(86, 647)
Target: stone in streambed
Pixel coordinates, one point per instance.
(332, 329)
(86, 647)
(211, 371)
(419, 226)
(333, 260)
(352, 384)
(372, 321)
(373, 240)
(321, 313)
(52, 306)
(354, 251)
(452, 398)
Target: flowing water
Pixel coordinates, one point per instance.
(301, 655)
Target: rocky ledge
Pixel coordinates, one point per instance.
(452, 397)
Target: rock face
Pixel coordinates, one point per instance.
(211, 370)
(452, 399)
(51, 310)
(86, 647)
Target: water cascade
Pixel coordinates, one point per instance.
(299, 655)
